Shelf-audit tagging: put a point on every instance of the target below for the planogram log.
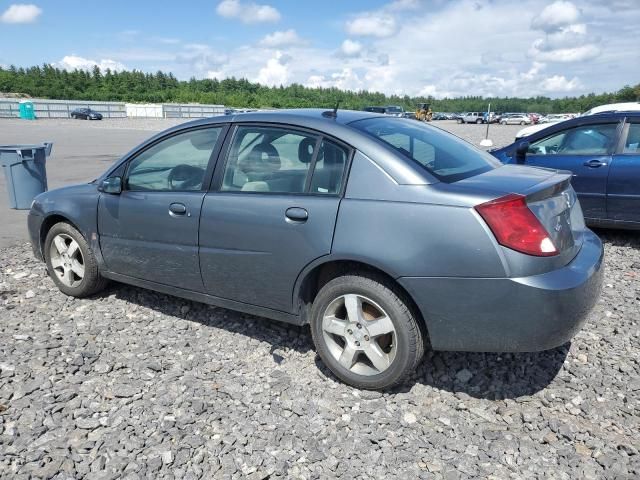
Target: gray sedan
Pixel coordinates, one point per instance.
(384, 234)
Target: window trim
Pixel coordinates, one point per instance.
(624, 134)
(211, 163)
(610, 151)
(215, 186)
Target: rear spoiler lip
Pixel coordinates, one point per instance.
(549, 187)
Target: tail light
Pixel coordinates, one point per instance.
(516, 227)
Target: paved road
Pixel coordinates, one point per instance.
(83, 150)
(79, 155)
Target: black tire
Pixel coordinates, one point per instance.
(479, 121)
(460, 120)
(91, 282)
(73, 116)
(409, 336)
(523, 123)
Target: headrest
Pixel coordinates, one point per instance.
(305, 149)
(263, 158)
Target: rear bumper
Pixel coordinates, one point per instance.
(511, 314)
(34, 222)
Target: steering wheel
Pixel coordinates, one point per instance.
(185, 177)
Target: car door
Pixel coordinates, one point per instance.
(586, 151)
(623, 188)
(271, 212)
(150, 230)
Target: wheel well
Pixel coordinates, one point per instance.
(49, 222)
(322, 274)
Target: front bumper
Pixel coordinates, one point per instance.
(511, 314)
(34, 223)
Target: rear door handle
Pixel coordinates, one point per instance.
(177, 209)
(595, 164)
(296, 214)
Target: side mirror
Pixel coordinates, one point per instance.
(521, 151)
(112, 185)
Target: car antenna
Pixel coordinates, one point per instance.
(332, 113)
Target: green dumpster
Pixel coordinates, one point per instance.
(27, 112)
(25, 172)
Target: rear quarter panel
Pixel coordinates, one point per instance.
(411, 230)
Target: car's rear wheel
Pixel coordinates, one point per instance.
(365, 332)
(460, 120)
(523, 123)
(478, 121)
(71, 263)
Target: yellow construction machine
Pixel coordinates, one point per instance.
(423, 112)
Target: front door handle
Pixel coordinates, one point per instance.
(595, 164)
(177, 209)
(296, 214)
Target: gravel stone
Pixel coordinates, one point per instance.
(129, 384)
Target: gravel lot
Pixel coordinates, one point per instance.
(137, 384)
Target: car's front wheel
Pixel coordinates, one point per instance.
(365, 332)
(71, 263)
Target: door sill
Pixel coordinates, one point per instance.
(206, 298)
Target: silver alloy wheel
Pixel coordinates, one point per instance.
(67, 261)
(359, 334)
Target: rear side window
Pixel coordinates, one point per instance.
(632, 145)
(280, 160)
(445, 156)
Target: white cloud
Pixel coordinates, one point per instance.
(275, 72)
(21, 13)
(74, 62)
(566, 38)
(374, 24)
(558, 83)
(248, 12)
(282, 39)
(556, 15)
(350, 48)
(565, 55)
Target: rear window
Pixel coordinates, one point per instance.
(442, 154)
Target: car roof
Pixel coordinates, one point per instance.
(294, 116)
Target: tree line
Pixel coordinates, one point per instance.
(47, 81)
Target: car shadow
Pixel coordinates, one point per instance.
(481, 375)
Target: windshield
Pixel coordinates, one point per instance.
(442, 154)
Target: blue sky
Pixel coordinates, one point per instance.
(437, 47)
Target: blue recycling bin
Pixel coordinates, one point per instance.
(25, 172)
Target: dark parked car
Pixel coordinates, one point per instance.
(379, 232)
(603, 152)
(86, 114)
(375, 109)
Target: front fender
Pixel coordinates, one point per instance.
(77, 204)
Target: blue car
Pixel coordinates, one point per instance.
(603, 153)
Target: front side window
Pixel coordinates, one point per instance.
(443, 155)
(632, 145)
(177, 163)
(280, 160)
(583, 140)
